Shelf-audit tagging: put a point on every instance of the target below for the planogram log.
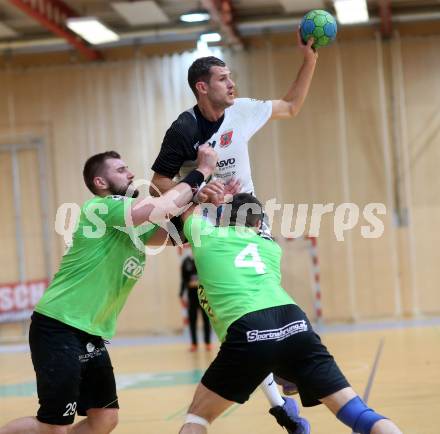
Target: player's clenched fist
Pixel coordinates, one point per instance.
(212, 193)
(206, 159)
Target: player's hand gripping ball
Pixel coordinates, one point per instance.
(321, 26)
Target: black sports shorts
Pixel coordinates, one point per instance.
(279, 340)
(73, 368)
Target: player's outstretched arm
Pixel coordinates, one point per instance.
(160, 238)
(161, 184)
(291, 104)
(213, 193)
(156, 209)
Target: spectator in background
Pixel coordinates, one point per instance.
(189, 285)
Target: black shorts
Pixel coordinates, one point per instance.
(73, 368)
(279, 340)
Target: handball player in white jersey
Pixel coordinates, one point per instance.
(228, 123)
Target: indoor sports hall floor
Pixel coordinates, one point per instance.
(395, 365)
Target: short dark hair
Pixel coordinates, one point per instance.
(200, 70)
(95, 166)
(246, 210)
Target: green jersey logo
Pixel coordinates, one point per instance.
(133, 268)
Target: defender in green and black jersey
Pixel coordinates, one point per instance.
(261, 328)
(80, 308)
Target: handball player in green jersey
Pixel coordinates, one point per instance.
(261, 328)
(80, 307)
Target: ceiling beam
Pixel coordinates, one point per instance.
(386, 18)
(223, 15)
(52, 14)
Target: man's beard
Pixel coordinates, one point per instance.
(122, 191)
(222, 105)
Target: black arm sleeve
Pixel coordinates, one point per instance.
(177, 146)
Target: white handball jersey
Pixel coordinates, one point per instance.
(242, 121)
(230, 137)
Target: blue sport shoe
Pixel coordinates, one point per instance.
(288, 417)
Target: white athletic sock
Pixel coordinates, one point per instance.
(271, 391)
(192, 418)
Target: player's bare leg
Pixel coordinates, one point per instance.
(350, 410)
(98, 421)
(270, 389)
(205, 407)
(31, 425)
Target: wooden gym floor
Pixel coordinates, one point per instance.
(156, 383)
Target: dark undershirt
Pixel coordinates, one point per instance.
(182, 140)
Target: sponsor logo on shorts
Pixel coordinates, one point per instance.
(92, 352)
(277, 334)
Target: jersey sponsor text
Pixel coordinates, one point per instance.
(226, 163)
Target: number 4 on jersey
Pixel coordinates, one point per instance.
(242, 260)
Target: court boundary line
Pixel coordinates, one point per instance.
(182, 339)
(373, 372)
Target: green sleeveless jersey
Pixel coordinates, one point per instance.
(239, 271)
(99, 269)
